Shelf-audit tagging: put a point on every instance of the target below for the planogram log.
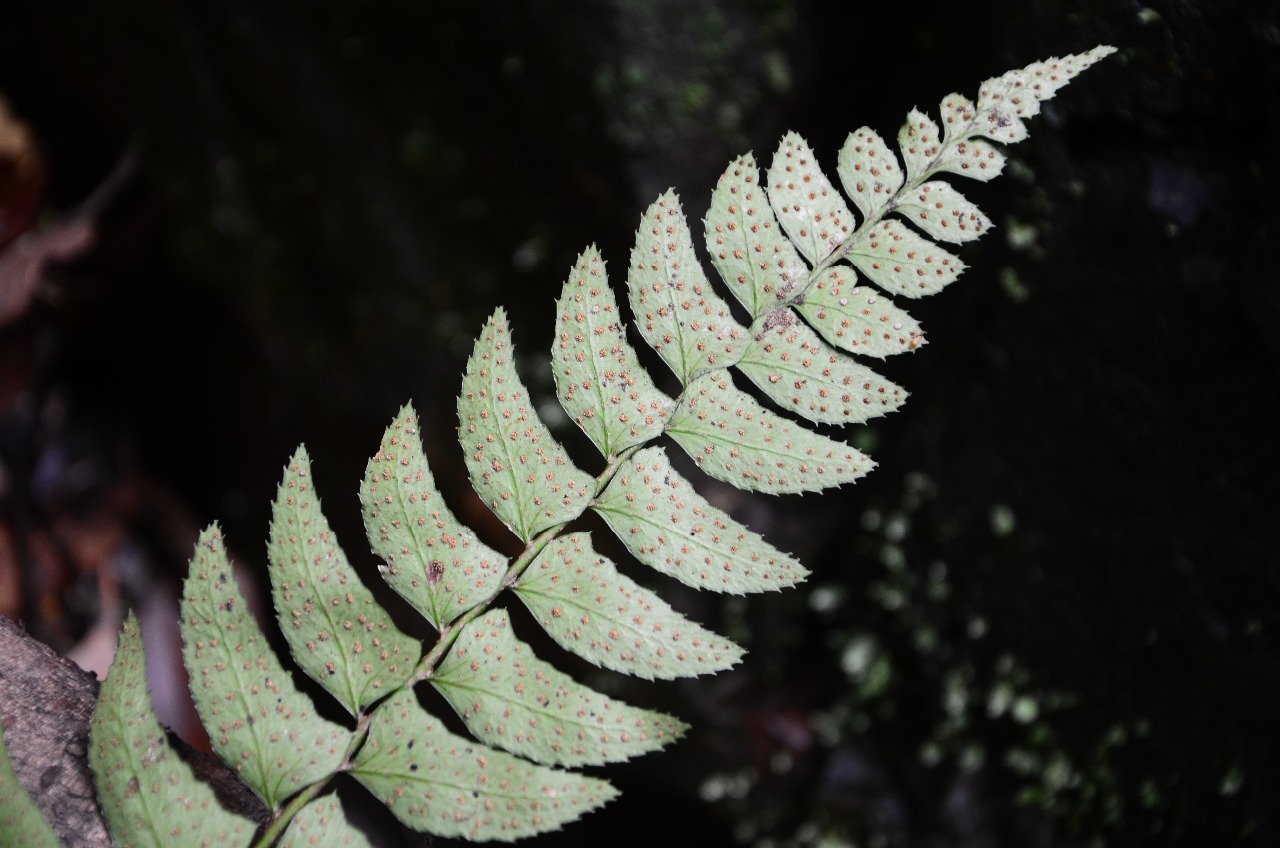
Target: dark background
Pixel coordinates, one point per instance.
(1050, 616)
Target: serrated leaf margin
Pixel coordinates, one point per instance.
(148, 795)
(516, 466)
(433, 561)
(336, 630)
(671, 528)
(443, 784)
(509, 698)
(590, 608)
(599, 379)
(258, 721)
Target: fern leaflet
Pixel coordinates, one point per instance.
(790, 249)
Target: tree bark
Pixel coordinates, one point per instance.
(46, 706)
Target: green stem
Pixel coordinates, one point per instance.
(278, 825)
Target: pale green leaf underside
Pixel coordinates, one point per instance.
(21, 824)
(258, 721)
(868, 171)
(336, 631)
(920, 142)
(897, 259)
(599, 380)
(942, 212)
(516, 467)
(1004, 101)
(957, 113)
(735, 439)
(433, 561)
(856, 318)
(323, 824)
(449, 786)
(812, 212)
(669, 527)
(675, 308)
(148, 795)
(509, 698)
(589, 608)
(748, 248)
(972, 158)
(453, 787)
(803, 374)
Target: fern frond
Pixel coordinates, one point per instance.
(148, 795)
(516, 466)
(442, 783)
(257, 718)
(433, 560)
(20, 819)
(668, 526)
(598, 377)
(545, 717)
(335, 629)
(789, 248)
(589, 608)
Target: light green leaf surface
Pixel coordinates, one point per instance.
(676, 310)
(516, 467)
(509, 698)
(669, 527)
(942, 212)
(323, 824)
(803, 374)
(868, 170)
(147, 794)
(449, 786)
(998, 126)
(599, 381)
(589, 608)
(735, 439)
(972, 158)
(859, 319)
(336, 631)
(920, 142)
(896, 259)
(957, 113)
(258, 720)
(1004, 101)
(21, 824)
(810, 209)
(748, 248)
(434, 561)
